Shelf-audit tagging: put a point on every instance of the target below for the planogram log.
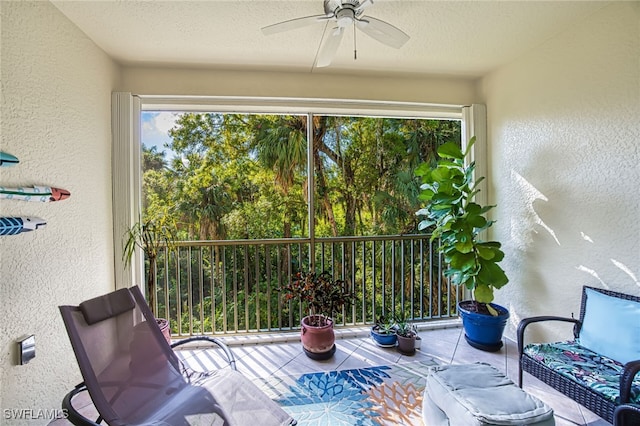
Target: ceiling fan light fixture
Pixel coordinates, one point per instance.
(344, 13)
(345, 17)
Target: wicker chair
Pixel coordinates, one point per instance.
(594, 400)
(625, 415)
(134, 378)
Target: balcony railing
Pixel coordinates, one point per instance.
(223, 287)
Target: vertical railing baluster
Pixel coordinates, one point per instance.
(246, 287)
(383, 271)
(178, 292)
(352, 280)
(421, 276)
(412, 283)
(403, 281)
(267, 263)
(201, 279)
(393, 276)
(167, 312)
(212, 258)
(235, 288)
(256, 283)
(223, 281)
(374, 281)
(343, 272)
(189, 291)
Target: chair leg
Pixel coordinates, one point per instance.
(520, 373)
(626, 415)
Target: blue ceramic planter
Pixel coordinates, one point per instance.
(484, 331)
(384, 340)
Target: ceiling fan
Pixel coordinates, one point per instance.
(341, 14)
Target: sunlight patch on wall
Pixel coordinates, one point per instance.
(586, 237)
(530, 195)
(593, 273)
(626, 270)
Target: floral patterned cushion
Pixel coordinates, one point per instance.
(583, 366)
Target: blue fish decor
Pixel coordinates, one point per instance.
(7, 160)
(17, 225)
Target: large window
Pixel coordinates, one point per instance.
(231, 176)
(259, 189)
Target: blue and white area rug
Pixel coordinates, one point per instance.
(383, 395)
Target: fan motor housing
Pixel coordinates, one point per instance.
(335, 7)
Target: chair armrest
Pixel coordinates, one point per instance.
(227, 352)
(73, 416)
(626, 379)
(525, 323)
(623, 411)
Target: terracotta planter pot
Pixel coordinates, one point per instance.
(318, 342)
(164, 327)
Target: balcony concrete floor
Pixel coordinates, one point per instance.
(265, 355)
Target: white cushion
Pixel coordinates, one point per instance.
(480, 395)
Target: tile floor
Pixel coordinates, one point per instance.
(442, 341)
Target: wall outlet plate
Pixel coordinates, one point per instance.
(27, 349)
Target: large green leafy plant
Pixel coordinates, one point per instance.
(449, 189)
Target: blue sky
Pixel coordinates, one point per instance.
(155, 128)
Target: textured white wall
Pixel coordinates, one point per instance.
(56, 94)
(564, 138)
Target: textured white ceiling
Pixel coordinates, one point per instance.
(458, 38)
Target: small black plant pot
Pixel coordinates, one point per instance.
(407, 345)
(320, 356)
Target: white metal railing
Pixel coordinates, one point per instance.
(232, 286)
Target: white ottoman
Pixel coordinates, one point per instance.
(479, 395)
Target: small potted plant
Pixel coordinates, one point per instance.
(322, 296)
(383, 332)
(458, 222)
(418, 342)
(151, 237)
(406, 336)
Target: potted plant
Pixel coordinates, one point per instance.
(322, 296)
(383, 332)
(151, 237)
(448, 189)
(406, 336)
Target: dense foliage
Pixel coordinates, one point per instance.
(242, 176)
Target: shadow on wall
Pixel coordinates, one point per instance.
(526, 225)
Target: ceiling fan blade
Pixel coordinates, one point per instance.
(330, 47)
(293, 24)
(383, 31)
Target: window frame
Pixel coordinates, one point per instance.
(127, 152)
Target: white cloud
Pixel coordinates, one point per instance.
(164, 121)
(155, 128)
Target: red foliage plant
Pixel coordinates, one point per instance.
(321, 294)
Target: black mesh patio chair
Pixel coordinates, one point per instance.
(134, 377)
